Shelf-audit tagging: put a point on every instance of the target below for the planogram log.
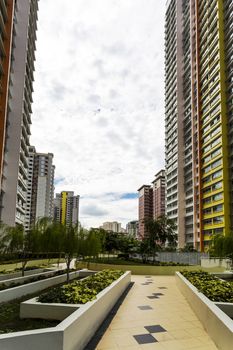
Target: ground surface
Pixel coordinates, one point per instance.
(155, 315)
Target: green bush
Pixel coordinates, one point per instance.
(80, 292)
(211, 286)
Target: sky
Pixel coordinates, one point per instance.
(99, 100)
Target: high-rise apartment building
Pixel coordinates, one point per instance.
(151, 202)
(159, 194)
(18, 60)
(132, 228)
(66, 208)
(199, 118)
(42, 187)
(145, 208)
(6, 25)
(27, 222)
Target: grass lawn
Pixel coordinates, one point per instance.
(41, 262)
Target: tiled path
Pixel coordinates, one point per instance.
(155, 315)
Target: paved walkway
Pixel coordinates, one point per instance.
(155, 315)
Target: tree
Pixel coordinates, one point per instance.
(93, 244)
(127, 244)
(14, 242)
(159, 232)
(222, 246)
(166, 231)
(14, 239)
(70, 245)
(111, 242)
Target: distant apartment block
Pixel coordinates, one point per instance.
(66, 208)
(40, 188)
(132, 228)
(145, 207)
(151, 201)
(159, 194)
(27, 223)
(113, 226)
(199, 119)
(18, 22)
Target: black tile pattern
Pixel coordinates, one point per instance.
(152, 297)
(157, 294)
(145, 339)
(145, 307)
(155, 328)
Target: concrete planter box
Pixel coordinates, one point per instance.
(75, 331)
(218, 325)
(34, 287)
(21, 280)
(9, 276)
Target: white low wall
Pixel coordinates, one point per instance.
(19, 274)
(218, 325)
(47, 311)
(227, 308)
(215, 262)
(30, 288)
(76, 330)
(21, 280)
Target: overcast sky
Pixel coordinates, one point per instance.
(99, 100)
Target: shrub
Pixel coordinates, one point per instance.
(211, 286)
(80, 292)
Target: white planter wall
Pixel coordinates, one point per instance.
(217, 324)
(75, 331)
(34, 287)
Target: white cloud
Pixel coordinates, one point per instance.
(99, 96)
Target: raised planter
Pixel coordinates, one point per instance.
(34, 287)
(21, 280)
(75, 331)
(217, 324)
(9, 276)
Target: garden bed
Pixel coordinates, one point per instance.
(131, 261)
(75, 331)
(34, 287)
(218, 325)
(59, 302)
(15, 282)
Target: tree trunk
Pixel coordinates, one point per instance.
(24, 263)
(68, 261)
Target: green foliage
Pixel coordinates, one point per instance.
(159, 232)
(80, 292)
(10, 320)
(132, 262)
(211, 286)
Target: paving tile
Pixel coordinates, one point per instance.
(153, 346)
(164, 336)
(183, 331)
(155, 328)
(145, 307)
(157, 294)
(152, 297)
(145, 339)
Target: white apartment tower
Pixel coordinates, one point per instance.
(42, 187)
(18, 119)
